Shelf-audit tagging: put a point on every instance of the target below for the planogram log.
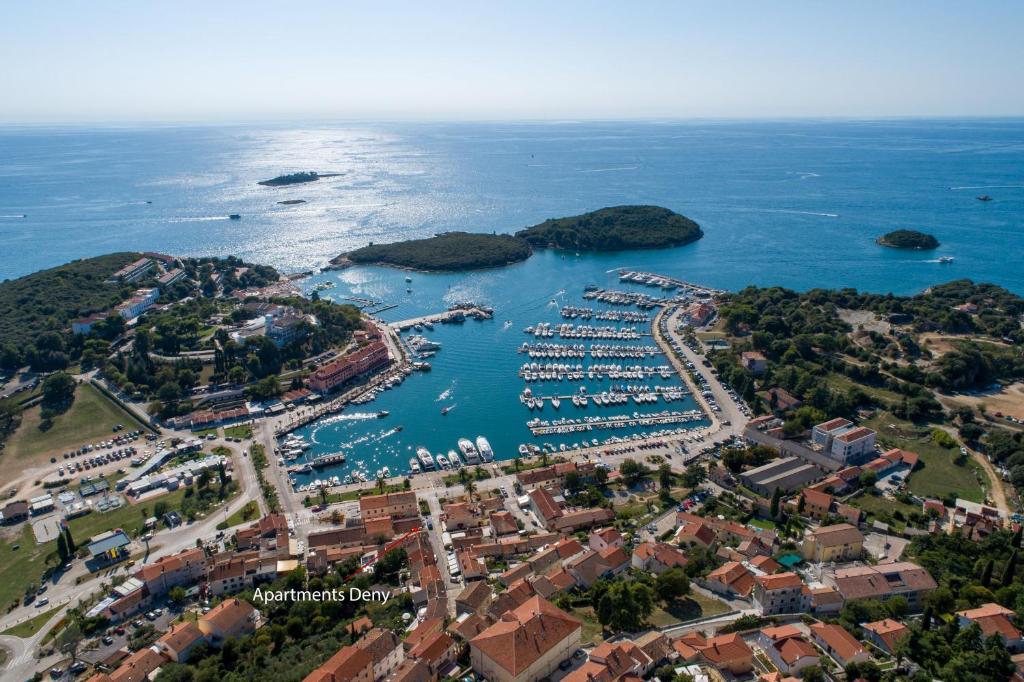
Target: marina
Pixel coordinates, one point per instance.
(541, 427)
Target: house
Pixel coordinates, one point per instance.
(503, 523)
(792, 653)
(139, 666)
(729, 653)
(603, 538)
(780, 400)
(462, 515)
(230, 618)
(785, 473)
(83, 325)
(993, 619)
(731, 579)
(885, 634)
(139, 302)
(438, 650)
(608, 661)
(884, 581)
(765, 564)
(817, 504)
(822, 600)
(657, 557)
(350, 664)
(754, 362)
(779, 593)
(695, 534)
(475, 598)
(183, 568)
(839, 542)
(838, 643)
(589, 566)
(544, 507)
(526, 644)
(179, 641)
(385, 649)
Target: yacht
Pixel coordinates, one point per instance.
(453, 457)
(426, 460)
(414, 465)
(442, 461)
(469, 453)
(945, 260)
(555, 402)
(387, 472)
(523, 450)
(484, 447)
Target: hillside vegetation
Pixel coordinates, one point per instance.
(46, 300)
(908, 239)
(615, 228)
(447, 251)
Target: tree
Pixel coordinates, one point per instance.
(986, 573)
(694, 476)
(867, 479)
(1010, 569)
(388, 567)
(812, 673)
(632, 471)
(1015, 542)
(58, 390)
(323, 496)
(776, 499)
(381, 484)
(72, 547)
(665, 476)
(801, 504)
(625, 606)
(62, 549)
(672, 584)
(177, 595)
(601, 476)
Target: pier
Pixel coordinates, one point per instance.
(453, 316)
(539, 428)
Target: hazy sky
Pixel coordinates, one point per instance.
(217, 60)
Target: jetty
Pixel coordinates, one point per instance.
(454, 315)
(563, 426)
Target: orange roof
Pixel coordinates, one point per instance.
(545, 503)
(817, 498)
(181, 636)
(889, 631)
(855, 434)
(765, 563)
(781, 632)
(792, 649)
(343, 666)
(841, 642)
(725, 649)
(688, 646)
(138, 666)
(779, 581)
(229, 615)
(433, 647)
(525, 634)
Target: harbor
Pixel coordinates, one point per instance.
(607, 378)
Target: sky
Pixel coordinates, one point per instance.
(111, 61)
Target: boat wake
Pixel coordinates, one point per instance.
(608, 170)
(987, 187)
(15, 216)
(445, 394)
(199, 219)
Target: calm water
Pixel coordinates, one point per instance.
(796, 204)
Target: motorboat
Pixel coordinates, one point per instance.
(484, 447)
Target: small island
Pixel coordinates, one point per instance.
(448, 251)
(615, 228)
(295, 178)
(908, 239)
(292, 202)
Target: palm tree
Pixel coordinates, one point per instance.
(470, 489)
(323, 496)
(380, 484)
(517, 462)
(463, 475)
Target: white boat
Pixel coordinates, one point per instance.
(555, 402)
(442, 461)
(945, 260)
(469, 453)
(484, 447)
(387, 472)
(414, 465)
(523, 450)
(426, 460)
(453, 457)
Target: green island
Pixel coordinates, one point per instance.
(908, 239)
(295, 178)
(448, 251)
(613, 229)
(292, 202)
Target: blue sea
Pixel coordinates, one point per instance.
(794, 203)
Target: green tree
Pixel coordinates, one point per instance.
(776, 499)
(62, 549)
(626, 605)
(632, 471)
(388, 567)
(672, 584)
(72, 547)
(1010, 569)
(177, 595)
(58, 390)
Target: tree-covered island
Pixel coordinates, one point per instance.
(908, 239)
(615, 228)
(448, 251)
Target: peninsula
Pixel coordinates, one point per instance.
(448, 251)
(296, 178)
(615, 228)
(908, 239)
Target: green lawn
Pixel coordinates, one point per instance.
(939, 475)
(692, 607)
(238, 431)
(203, 433)
(881, 507)
(247, 513)
(30, 626)
(89, 419)
(22, 566)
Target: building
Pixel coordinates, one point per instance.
(841, 440)
(370, 357)
(108, 548)
(350, 664)
(289, 327)
(884, 581)
(141, 301)
(839, 542)
(754, 362)
(183, 568)
(83, 325)
(993, 619)
(230, 618)
(779, 593)
(785, 473)
(839, 644)
(526, 644)
(816, 503)
(133, 271)
(792, 653)
(729, 653)
(396, 505)
(603, 538)
(171, 277)
(885, 634)
(613, 661)
(178, 642)
(657, 557)
(731, 579)
(14, 512)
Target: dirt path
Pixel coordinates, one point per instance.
(995, 482)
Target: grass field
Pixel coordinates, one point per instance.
(22, 566)
(129, 518)
(840, 382)
(882, 507)
(89, 419)
(238, 431)
(247, 513)
(692, 607)
(30, 626)
(939, 476)
(591, 628)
